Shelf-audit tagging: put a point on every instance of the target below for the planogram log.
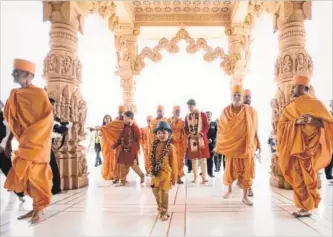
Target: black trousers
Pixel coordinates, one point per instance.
(217, 162)
(188, 163)
(210, 161)
(328, 170)
(5, 165)
(56, 174)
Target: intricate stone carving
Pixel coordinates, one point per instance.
(62, 71)
(239, 51)
(171, 46)
(126, 51)
(180, 6)
(293, 61)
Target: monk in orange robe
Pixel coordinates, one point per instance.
(247, 100)
(304, 144)
(178, 139)
(110, 135)
(154, 122)
(236, 140)
(28, 113)
(146, 144)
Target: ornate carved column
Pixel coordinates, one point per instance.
(127, 51)
(62, 71)
(289, 20)
(239, 52)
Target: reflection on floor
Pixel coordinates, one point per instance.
(196, 210)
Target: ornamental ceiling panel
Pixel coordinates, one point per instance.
(182, 12)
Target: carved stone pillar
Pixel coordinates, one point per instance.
(237, 62)
(127, 50)
(293, 58)
(62, 71)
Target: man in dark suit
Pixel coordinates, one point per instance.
(211, 136)
(328, 169)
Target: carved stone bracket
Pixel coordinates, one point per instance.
(171, 46)
(239, 51)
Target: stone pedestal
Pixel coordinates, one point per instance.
(62, 71)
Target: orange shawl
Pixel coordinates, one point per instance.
(304, 140)
(236, 132)
(29, 115)
(110, 135)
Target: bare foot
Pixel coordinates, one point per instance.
(25, 216)
(164, 217)
(247, 201)
(250, 193)
(35, 217)
(194, 181)
(227, 195)
(204, 181)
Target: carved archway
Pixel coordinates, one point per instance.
(171, 46)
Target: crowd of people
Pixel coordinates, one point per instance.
(304, 142)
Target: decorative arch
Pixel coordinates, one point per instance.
(171, 46)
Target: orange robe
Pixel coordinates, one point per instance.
(110, 135)
(304, 149)
(29, 115)
(146, 145)
(179, 141)
(236, 140)
(153, 125)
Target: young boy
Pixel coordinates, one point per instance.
(163, 167)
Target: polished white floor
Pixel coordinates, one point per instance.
(196, 210)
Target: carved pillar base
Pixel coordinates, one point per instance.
(69, 170)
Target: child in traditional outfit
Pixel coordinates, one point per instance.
(164, 168)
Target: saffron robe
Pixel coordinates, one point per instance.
(146, 145)
(236, 140)
(304, 149)
(29, 115)
(178, 139)
(110, 135)
(201, 152)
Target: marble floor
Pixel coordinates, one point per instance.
(196, 210)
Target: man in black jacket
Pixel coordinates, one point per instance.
(328, 169)
(211, 136)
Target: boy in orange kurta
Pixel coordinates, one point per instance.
(146, 143)
(304, 144)
(236, 140)
(164, 167)
(178, 139)
(29, 115)
(247, 100)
